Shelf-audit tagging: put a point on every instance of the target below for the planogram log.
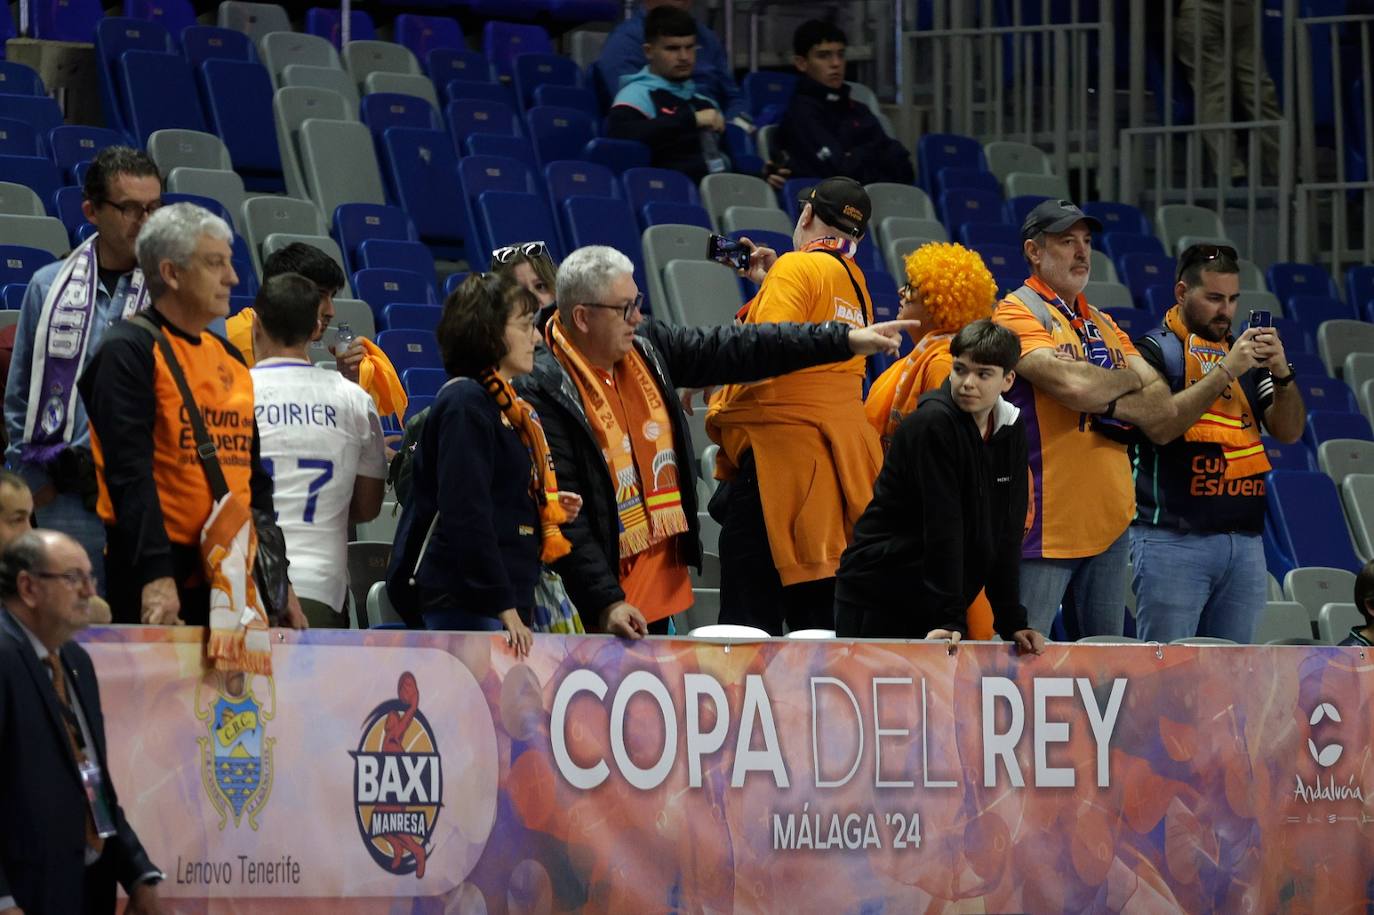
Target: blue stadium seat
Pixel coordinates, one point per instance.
(765, 89)
(618, 155)
(114, 36)
(1002, 259)
(467, 116)
(1311, 310)
(1141, 271)
(559, 133)
(355, 223)
(423, 34)
(490, 144)
(411, 316)
(502, 42)
(38, 111)
(1306, 364)
(579, 98)
(67, 204)
(397, 255)
(1283, 456)
(1289, 279)
(18, 79)
(420, 166)
(487, 92)
(1308, 522)
(961, 177)
(200, 43)
(1294, 336)
(1159, 299)
(408, 349)
(1018, 208)
(782, 244)
(415, 405)
(535, 70)
(328, 24)
(459, 65)
(505, 218)
(12, 294)
(238, 303)
(1322, 393)
(73, 143)
(18, 138)
(1118, 217)
(453, 282)
(1117, 245)
(743, 151)
(583, 10)
(1359, 289)
(159, 92)
(477, 174)
(380, 286)
(380, 110)
(977, 234)
(209, 203)
(792, 189)
(869, 257)
(937, 150)
(424, 382)
(604, 221)
(961, 205)
(18, 262)
(36, 172)
(571, 178)
(1328, 424)
(643, 185)
(662, 212)
(1132, 321)
(71, 20)
(173, 15)
(238, 101)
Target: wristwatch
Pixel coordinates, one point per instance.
(1286, 381)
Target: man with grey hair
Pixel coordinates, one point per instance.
(67, 308)
(154, 494)
(603, 388)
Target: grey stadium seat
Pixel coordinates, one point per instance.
(702, 293)
(1282, 619)
(663, 244)
(1251, 277)
(331, 78)
(1108, 295)
(1340, 457)
(1357, 369)
(763, 141)
(286, 49)
(217, 184)
(736, 219)
(1335, 620)
(896, 250)
(1254, 300)
(43, 232)
(270, 215)
(903, 200)
(253, 19)
(278, 240)
(339, 163)
(291, 107)
(379, 609)
(1357, 492)
(1007, 156)
(363, 57)
(402, 84)
(20, 200)
(367, 561)
(172, 148)
(719, 192)
(1314, 586)
(866, 97)
(1174, 221)
(1030, 184)
(1102, 269)
(1338, 339)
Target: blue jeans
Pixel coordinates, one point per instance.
(1196, 584)
(1091, 588)
(438, 612)
(67, 514)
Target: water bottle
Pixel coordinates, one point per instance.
(710, 151)
(343, 339)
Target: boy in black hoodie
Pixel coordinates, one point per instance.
(948, 510)
(824, 132)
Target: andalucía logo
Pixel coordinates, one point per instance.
(398, 782)
(236, 754)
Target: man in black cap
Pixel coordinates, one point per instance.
(1082, 386)
(797, 452)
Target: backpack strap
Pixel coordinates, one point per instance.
(1037, 305)
(1171, 349)
(863, 302)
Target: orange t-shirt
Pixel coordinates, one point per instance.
(929, 364)
(1084, 496)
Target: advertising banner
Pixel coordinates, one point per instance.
(433, 772)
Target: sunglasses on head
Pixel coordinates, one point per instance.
(1201, 254)
(508, 253)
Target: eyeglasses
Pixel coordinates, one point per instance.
(132, 209)
(74, 577)
(906, 291)
(1201, 254)
(626, 311)
(507, 253)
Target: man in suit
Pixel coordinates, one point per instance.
(59, 852)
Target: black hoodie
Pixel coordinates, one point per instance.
(826, 133)
(947, 518)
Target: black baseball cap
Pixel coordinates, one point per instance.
(1055, 216)
(840, 202)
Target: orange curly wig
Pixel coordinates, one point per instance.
(955, 285)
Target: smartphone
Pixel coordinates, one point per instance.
(732, 254)
(1261, 318)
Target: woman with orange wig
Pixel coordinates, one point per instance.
(947, 287)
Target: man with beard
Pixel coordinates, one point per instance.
(1197, 559)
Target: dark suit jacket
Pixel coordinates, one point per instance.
(42, 803)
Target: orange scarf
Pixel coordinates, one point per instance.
(648, 514)
(543, 483)
(1228, 422)
(893, 396)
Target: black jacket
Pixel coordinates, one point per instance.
(825, 133)
(670, 132)
(947, 518)
(42, 802)
(677, 356)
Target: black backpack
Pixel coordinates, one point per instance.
(399, 474)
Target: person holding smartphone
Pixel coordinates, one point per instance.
(1196, 555)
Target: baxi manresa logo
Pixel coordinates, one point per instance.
(398, 782)
(1325, 756)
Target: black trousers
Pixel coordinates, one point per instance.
(751, 592)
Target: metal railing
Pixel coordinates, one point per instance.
(1035, 83)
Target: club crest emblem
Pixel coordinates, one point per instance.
(236, 753)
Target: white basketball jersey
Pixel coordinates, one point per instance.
(317, 433)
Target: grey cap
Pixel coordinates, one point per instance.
(1055, 216)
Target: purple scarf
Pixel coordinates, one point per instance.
(59, 352)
